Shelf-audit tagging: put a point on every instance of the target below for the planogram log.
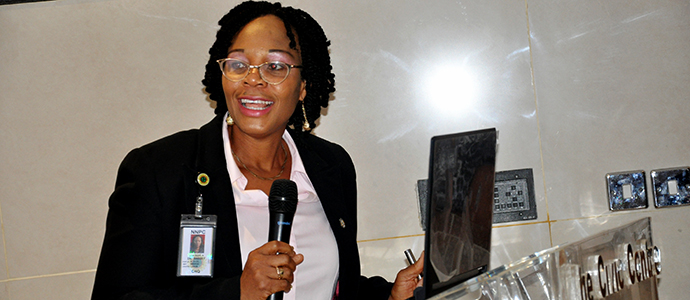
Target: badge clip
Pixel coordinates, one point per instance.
(197, 239)
(199, 207)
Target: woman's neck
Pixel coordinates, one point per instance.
(261, 160)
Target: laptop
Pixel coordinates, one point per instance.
(460, 193)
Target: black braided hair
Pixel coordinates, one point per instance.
(313, 45)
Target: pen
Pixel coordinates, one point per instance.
(411, 259)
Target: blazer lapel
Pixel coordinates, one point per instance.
(327, 181)
(218, 198)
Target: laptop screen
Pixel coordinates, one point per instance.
(459, 208)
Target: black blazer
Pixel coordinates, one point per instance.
(156, 184)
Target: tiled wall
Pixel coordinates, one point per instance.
(577, 89)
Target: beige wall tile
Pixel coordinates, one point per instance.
(672, 234)
(610, 79)
(510, 243)
(405, 89)
(4, 294)
(61, 287)
(3, 259)
(386, 257)
(72, 118)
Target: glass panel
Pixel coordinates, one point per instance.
(621, 263)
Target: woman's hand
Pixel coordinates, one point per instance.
(269, 269)
(406, 281)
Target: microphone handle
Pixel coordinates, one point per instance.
(281, 224)
(279, 231)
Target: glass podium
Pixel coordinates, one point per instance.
(621, 263)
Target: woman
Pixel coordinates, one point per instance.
(269, 71)
(197, 245)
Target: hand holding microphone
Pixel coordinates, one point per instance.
(270, 268)
(282, 204)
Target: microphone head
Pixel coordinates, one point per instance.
(283, 196)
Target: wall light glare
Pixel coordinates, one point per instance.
(450, 88)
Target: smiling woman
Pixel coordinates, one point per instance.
(270, 73)
(261, 109)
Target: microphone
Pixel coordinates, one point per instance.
(282, 204)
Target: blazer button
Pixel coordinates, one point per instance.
(342, 223)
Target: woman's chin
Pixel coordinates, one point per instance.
(257, 128)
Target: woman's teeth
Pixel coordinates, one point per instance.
(256, 104)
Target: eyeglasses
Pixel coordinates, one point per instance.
(272, 72)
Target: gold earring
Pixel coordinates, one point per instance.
(229, 120)
(305, 126)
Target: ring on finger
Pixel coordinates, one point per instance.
(280, 272)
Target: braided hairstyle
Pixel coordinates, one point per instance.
(313, 44)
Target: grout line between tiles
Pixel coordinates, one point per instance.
(4, 244)
(519, 224)
(618, 213)
(390, 238)
(48, 275)
(549, 222)
(536, 113)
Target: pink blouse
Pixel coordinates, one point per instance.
(311, 235)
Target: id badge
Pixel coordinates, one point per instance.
(197, 244)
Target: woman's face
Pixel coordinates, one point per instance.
(197, 241)
(259, 108)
